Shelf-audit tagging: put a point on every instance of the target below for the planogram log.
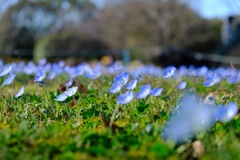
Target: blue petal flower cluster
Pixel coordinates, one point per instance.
(121, 80)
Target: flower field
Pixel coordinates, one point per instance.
(56, 111)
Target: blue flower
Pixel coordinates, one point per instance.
(39, 77)
(9, 80)
(169, 72)
(121, 78)
(131, 85)
(92, 74)
(20, 92)
(68, 83)
(211, 80)
(55, 70)
(125, 98)
(115, 88)
(225, 114)
(42, 62)
(182, 85)
(232, 109)
(71, 91)
(209, 83)
(6, 70)
(156, 92)
(144, 91)
(62, 97)
(115, 68)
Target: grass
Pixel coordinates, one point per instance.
(35, 126)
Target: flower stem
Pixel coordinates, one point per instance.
(114, 115)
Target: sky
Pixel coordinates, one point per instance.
(208, 9)
(4, 4)
(216, 8)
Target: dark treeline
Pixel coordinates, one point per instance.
(47, 28)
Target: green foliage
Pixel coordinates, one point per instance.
(35, 126)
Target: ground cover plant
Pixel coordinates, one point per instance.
(56, 111)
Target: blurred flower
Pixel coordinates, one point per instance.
(191, 117)
(116, 87)
(68, 83)
(182, 70)
(211, 80)
(92, 74)
(115, 68)
(169, 72)
(62, 97)
(9, 80)
(42, 62)
(209, 83)
(131, 85)
(71, 91)
(148, 128)
(233, 79)
(125, 98)
(182, 85)
(144, 91)
(39, 77)
(225, 114)
(121, 78)
(6, 70)
(29, 68)
(54, 71)
(20, 92)
(156, 92)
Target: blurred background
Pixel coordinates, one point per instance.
(163, 32)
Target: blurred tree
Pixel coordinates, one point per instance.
(134, 23)
(30, 20)
(70, 42)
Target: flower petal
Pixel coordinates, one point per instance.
(116, 87)
(131, 85)
(39, 77)
(61, 97)
(144, 91)
(9, 80)
(156, 92)
(169, 72)
(125, 98)
(6, 70)
(20, 92)
(182, 85)
(71, 91)
(225, 114)
(121, 78)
